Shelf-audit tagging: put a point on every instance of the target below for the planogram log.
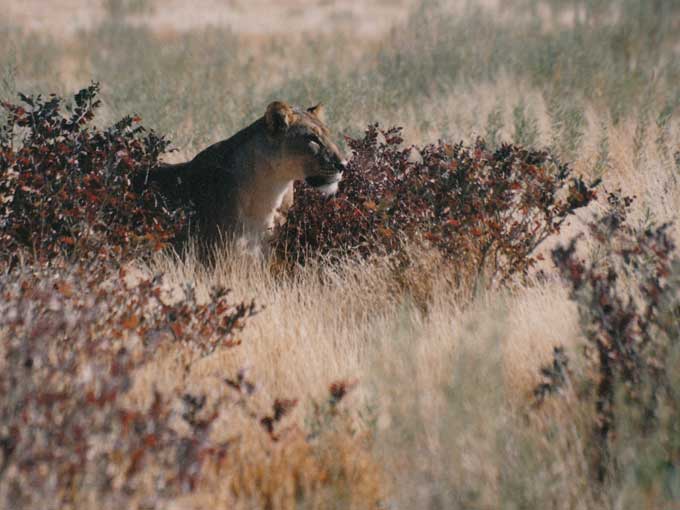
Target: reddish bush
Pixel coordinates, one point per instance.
(66, 185)
(485, 211)
(71, 343)
(628, 303)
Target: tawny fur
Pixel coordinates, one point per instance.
(241, 186)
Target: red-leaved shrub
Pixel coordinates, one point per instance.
(72, 341)
(74, 433)
(629, 308)
(486, 211)
(66, 185)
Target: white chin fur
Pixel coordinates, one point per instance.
(329, 189)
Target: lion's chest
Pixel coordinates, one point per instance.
(259, 206)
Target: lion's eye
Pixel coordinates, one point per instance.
(314, 146)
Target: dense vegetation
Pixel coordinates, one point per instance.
(133, 378)
(77, 327)
(486, 210)
(633, 343)
(66, 186)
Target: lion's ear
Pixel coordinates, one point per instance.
(278, 117)
(319, 111)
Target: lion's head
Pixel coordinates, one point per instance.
(304, 143)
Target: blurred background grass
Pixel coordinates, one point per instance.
(202, 80)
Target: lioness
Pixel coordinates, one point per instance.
(237, 186)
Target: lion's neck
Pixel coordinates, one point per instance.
(260, 203)
(266, 182)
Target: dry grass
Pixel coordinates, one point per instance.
(254, 17)
(425, 379)
(439, 416)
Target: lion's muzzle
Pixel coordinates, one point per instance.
(327, 184)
